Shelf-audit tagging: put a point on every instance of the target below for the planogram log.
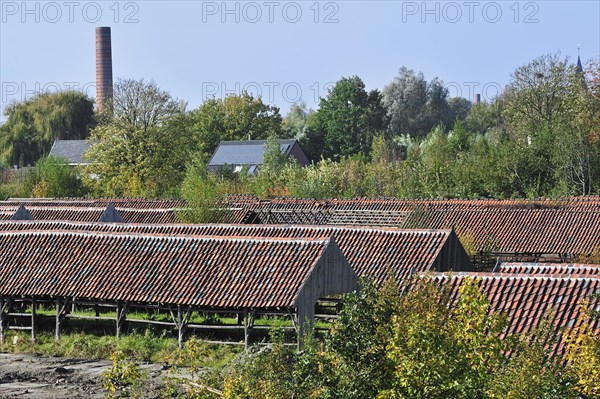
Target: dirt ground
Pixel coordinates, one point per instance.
(30, 376)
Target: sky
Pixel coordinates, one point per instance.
(285, 51)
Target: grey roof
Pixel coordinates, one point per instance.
(244, 152)
(72, 150)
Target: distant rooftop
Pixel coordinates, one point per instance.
(72, 150)
(251, 153)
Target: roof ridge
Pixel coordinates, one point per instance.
(183, 237)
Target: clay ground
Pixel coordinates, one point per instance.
(30, 376)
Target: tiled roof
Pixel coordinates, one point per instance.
(135, 203)
(527, 299)
(373, 252)
(133, 210)
(519, 231)
(248, 152)
(71, 150)
(195, 271)
(574, 269)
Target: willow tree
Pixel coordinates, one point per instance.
(33, 125)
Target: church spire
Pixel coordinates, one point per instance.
(579, 65)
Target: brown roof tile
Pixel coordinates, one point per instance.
(198, 271)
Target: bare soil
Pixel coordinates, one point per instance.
(30, 376)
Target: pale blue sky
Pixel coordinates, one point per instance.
(283, 49)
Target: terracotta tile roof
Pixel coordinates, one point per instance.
(519, 231)
(371, 251)
(527, 299)
(136, 203)
(574, 269)
(220, 272)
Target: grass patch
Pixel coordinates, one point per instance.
(141, 347)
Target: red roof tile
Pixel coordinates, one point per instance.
(196, 271)
(526, 299)
(374, 251)
(574, 269)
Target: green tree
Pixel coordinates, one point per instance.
(237, 117)
(414, 105)
(346, 121)
(32, 125)
(53, 177)
(143, 148)
(203, 195)
(532, 371)
(294, 123)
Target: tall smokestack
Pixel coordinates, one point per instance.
(104, 77)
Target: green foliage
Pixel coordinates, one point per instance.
(416, 106)
(142, 150)
(583, 355)
(32, 125)
(295, 122)
(532, 372)
(53, 177)
(124, 379)
(263, 373)
(203, 195)
(346, 121)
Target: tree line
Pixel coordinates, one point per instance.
(539, 137)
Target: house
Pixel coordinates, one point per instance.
(72, 151)
(250, 153)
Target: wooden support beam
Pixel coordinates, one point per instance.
(121, 315)
(248, 324)
(181, 321)
(33, 305)
(4, 307)
(61, 313)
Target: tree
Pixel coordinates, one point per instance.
(143, 148)
(203, 196)
(458, 108)
(53, 177)
(534, 98)
(33, 125)
(294, 123)
(532, 371)
(583, 353)
(414, 105)
(346, 121)
(236, 117)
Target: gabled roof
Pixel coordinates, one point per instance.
(250, 153)
(372, 252)
(195, 271)
(527, 299)
(71, 150)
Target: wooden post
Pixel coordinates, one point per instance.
(121, 312)
(2, 305)
(33, 320)
(97, 312)
(248, 324)
(61, 311)
(179, 328)
(57, 330)
(181, 321)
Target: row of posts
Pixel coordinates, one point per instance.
(180, 318)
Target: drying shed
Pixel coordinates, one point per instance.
(527, 299)
(518, 230)
(182, 274)
(372, 251)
